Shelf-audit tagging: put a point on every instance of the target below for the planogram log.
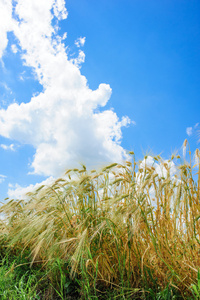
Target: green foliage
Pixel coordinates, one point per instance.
(195, 288)
(14, 285)
(61, 282)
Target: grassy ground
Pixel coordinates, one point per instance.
(130, 231)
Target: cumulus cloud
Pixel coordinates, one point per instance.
(6, 23)
(8, 147)
(160, 170)
(62, 122)
(189, 131)
(18, 192)
(14, 49)
(163, 168)
(79, 59)
(80, 42)
(2, 178)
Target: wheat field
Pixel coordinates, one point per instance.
(131, 226)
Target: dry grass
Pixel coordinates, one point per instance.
(116, 226)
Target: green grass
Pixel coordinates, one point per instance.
(125, 232)
(17, 281)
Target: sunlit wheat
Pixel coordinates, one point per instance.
(137, 224)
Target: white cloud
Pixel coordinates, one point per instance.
(6, 87)
(60, 122)
(8, 147)
(79, 60)
(163, 168)
(18, 192)
(59, 9)
(6, 23)
(2, 178)
(147, 162)
(80, 42)
(166, 167)
(189, 131)
(160, 170)
(14, 48)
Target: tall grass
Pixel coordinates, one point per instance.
(126, 227)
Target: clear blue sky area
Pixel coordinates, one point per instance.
(149, 54)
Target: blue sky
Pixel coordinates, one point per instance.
(125, 77)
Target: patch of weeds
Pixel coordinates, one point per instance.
(12, 286)
(17, 279)
(61, 283)
(195, 288)
(168, 293)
